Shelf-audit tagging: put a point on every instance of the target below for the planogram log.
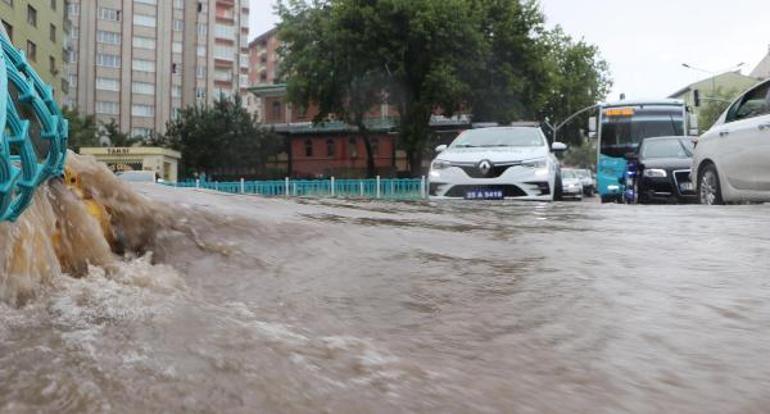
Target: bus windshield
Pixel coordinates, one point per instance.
(623, 129)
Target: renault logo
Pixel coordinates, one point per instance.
(485, 166)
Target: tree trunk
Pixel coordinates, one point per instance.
(415, 130)
(371, 168)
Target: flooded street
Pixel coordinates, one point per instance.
(267, 305)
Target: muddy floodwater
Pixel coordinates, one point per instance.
(249, 305)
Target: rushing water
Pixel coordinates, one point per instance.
(253, 305)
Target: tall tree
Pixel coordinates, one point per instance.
(324, 69)
(492, 58)
(346, 53)
(221, 140)
(112, 132)
(576, 77)
(82, 130)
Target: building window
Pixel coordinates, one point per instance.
(276, 111)
(375, 143)
(107, 60)
(308, 147)
(330, 148)
(141, 65)
(32, 16)
(144, 42)
(53, 4)
(52, 33)
(8, 2)
(52, 65)
(144, 20)
(178, 25)
(31, 51)
(109, 14)
(109, 38)
(153, 2)
(107, 107)
(108, 84)
(73, 9)
(143, 88)
(9, 30)
(143, 110)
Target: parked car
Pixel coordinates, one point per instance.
(588, 181)
(497, 163)
(664, 170)
(572, 183)
(138, 176)
(731, 162)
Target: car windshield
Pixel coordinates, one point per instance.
(667, 148)
(569, 174)
(500, 137)
(623, 129)
(584, 174)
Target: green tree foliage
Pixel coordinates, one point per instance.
(582, 155)
(576, 77)
(82, 129)
(714, 106)
(111, 131)
(221, 141)
(494, 58)
(325, 69)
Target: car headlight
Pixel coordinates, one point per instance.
(440, 165)
(538, 163)
(655, 173)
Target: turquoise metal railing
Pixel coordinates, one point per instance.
(22, 168)
(386, 189)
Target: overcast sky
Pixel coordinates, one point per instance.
(647, 41)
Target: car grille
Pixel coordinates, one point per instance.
(474, 172)
(507, 189)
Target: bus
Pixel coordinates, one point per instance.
(620, 129)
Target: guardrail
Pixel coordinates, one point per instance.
(375, 188)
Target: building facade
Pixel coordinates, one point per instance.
(729, 83)
(163, 162)
(263, 66)
(762, 71)
(39, 28)
(333, 148)
(141, 61)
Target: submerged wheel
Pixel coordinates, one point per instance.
(709, 188)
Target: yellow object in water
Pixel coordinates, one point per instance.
(93, 207)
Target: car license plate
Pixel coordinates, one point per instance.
(686, 187)
(484, 195)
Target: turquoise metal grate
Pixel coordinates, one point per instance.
(24, 163)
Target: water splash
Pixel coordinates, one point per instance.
(57, 235)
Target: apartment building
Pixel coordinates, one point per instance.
(141, 61)
(38, 27)
(263, 63)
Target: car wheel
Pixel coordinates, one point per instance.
(709, 189)
(558, 190)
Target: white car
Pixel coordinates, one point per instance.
(731, 162)
(497, 163)
(572, 184)
(138, 176)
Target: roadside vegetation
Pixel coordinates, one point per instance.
(494, 59)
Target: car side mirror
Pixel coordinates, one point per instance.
(441, 148)
(559, 146)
